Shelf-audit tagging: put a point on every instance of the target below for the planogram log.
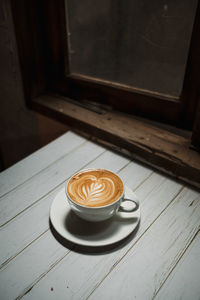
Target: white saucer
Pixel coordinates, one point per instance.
(84, 233)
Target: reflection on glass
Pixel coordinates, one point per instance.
(143, 44)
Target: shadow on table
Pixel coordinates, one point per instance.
(94, 233)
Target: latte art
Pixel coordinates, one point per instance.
(95, 188)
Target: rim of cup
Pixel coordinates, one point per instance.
(91, 207)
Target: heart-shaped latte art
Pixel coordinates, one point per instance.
(91, 190)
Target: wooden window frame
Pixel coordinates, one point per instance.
(42, 46)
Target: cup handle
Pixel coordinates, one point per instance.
(131, 198)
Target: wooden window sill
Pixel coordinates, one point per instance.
(158, 147)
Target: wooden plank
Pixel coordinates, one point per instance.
(121, 97)
(183, 282)
(134, 174)
(39, 215)
(48, 179)
(36, 217)
(111, 161)
(155, 146)
(39, 160)
(28, 267)
(146, 266)
(77, 276)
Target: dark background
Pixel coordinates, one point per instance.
(22, 131)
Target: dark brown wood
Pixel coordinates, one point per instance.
(27, 17)
(121, 97)
(55, 39)
(158, 147)
(191, 85)
(41, 39)
(196, 129)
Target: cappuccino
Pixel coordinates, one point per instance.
(95, 188)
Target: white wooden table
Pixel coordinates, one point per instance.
(161, 261)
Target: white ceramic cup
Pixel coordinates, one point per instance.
(102, 213)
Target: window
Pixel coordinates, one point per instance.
(141, 44)
(148, 67)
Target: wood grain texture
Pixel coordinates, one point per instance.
(183, 282)
(79, 274)
(34, 189)
(143, 270)
(14, 236)
(155, 146)
(29, 267)
(39, 215)
(35, 266)
(121, 97)
(39, 160)
(134, 174)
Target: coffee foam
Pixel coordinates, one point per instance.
(94, 188)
